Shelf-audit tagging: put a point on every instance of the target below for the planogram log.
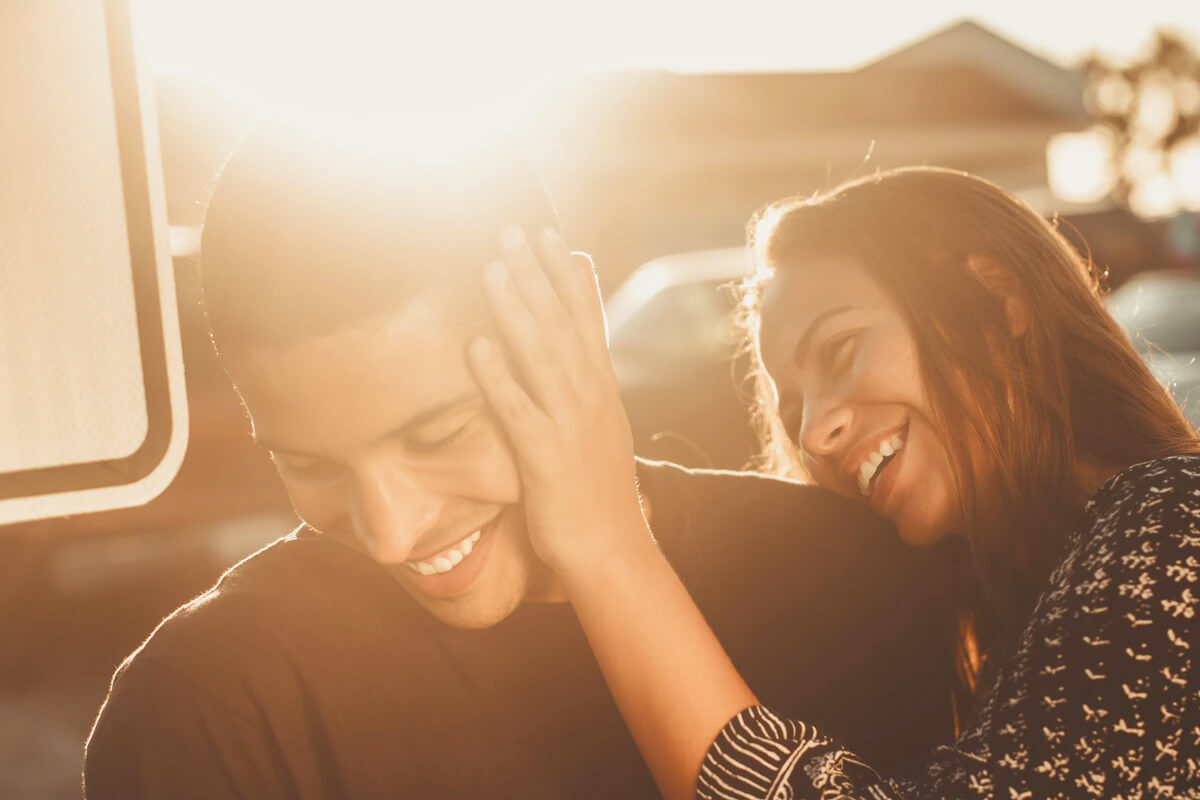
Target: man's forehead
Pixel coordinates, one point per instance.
(361, 381)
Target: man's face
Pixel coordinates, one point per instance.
(384, 441)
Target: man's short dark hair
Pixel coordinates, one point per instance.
(306, 234)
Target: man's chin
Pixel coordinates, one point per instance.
(471, 613)
(510, 574)
(485, 604)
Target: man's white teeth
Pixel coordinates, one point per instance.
(870, 465)
(447, 560)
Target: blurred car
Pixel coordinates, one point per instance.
(1161, 311)
(674, 348)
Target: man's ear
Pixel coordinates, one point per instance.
(1003, 283)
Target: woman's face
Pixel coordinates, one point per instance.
(845, 366)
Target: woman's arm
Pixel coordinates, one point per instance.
(668, 673)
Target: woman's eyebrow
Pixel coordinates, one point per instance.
(800, 354)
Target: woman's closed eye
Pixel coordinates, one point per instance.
(833, 358)
(838, 351)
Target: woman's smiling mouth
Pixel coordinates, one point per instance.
(871, 468)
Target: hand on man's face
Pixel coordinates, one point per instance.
(383, 441)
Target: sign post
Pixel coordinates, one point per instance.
(93, 414)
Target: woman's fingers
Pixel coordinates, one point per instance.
(522, 420)
(532, 281)
(574, 280)
(529, 344)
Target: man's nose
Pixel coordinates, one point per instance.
(392, 511)
(825, 428)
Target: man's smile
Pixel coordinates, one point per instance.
(454, 569)
(446, 559)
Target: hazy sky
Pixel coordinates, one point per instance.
(282, 46)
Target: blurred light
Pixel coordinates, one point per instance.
(1154, 196)
(1115, 94)
(185, 241)
(1142, 160)
(1155, 115)
(1079, 165)
(1185, 173)
(1187, 96)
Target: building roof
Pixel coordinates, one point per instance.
(963, 74)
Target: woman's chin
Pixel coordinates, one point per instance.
(918, 533)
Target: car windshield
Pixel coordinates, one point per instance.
(1161, 312)
(688, 320)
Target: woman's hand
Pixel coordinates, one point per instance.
(564, 416)
(670, 678)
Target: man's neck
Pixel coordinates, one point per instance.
(547, 590)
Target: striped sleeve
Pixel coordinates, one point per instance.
(761, 756)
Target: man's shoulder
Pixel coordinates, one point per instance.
(297, 590)
(260, 643)
(700, 501)
(244, 588)
(718, 528)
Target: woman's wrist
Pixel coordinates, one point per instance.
(626, 553)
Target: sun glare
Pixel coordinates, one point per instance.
(416, 70)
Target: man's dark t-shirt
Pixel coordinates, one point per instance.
(309, 672)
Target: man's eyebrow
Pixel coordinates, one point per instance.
(800, 354)
(416, 421)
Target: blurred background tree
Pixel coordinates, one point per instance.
(1147, 115)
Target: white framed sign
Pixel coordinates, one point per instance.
(93, 413)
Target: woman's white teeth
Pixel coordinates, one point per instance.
(868, 468)
(447, 560)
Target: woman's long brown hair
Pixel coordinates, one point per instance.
(1070, 386)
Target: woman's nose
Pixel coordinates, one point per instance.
(825, 429)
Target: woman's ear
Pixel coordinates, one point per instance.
(1003, 283)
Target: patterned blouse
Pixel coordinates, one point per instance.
(1101, 698)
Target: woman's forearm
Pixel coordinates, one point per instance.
(574, 448)
(671, 678)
